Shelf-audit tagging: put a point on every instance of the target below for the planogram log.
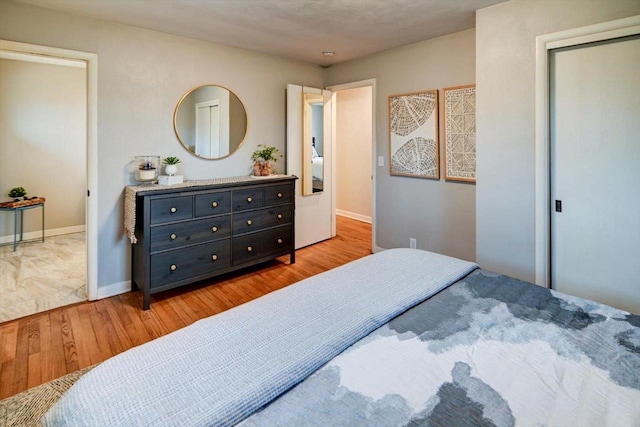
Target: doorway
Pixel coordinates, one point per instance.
(594, 158)
(354, 166)
(547, 211)
(51, 113)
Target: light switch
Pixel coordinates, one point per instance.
(380, 160)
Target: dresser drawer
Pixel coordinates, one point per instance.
(277, 194)
(213, 203)
(180, 264)
(175, 235)
(246, 222)
(171, 209)
(258, 245)
(247, 199)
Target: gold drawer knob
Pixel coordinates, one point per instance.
(249, 248)
(174, 210)
(249, 199)
(174, 267)
(173, 236)
(279, 195)
(214, 228)
(279, 240)
(279, 216)
(214, 257)
(214, 204)
(249, 222)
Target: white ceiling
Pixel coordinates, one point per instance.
(296, 29)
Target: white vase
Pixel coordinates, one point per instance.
(170, 169)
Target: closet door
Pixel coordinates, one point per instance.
(595, 171)
(315, 213)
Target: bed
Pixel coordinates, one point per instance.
(402, 337)
(317, 172)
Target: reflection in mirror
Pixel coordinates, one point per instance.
(312, 143)
(210, 121)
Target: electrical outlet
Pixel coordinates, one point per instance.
(380, 160)
(412, 243)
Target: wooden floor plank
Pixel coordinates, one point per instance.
(47, 345)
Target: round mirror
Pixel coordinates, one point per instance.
(210, 121)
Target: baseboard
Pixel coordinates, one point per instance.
(377, 249)
(353, 215)
(32, 235)
(114, 289)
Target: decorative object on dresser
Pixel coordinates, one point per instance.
(201, 229)
(146, 171)
(170, 168)
(170, 165)
(262, 158)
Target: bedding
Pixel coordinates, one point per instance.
(488, 350)
(219, 370)
(403, 337)
(317, 168)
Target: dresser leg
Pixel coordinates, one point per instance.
(146, 300)
(292, 257)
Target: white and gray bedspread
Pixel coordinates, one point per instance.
(487, 351)
(221, 369)
(378, 342)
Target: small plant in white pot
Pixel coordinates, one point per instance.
(170, 165)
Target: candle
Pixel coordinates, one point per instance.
(147, 174)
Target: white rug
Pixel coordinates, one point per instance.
(41, 276)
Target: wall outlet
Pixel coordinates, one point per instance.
(380, 160)
(412, 243)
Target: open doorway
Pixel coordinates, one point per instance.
(353, 127)
(44, 149)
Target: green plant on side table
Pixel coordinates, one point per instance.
(262, 158)
(17, 192)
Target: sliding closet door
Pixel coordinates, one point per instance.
(315, 213)
(595, 172)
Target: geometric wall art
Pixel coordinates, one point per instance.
(413, 134)
(460, 133)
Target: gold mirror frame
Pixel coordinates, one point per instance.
(224, 120)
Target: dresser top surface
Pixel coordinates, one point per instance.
(203, 184)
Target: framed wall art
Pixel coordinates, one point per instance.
(413, 134)
(460, 133)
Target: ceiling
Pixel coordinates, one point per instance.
(296, 29)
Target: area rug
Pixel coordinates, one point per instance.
(25, 409)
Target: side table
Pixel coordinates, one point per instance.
(18, 209)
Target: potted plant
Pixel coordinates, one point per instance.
(262, 158)
(17, 192)
(170, 163)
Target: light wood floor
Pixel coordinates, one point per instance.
(45, 346)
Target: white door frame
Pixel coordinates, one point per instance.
(589, 34)
(353, 85)
(91, 59)
(203, 104)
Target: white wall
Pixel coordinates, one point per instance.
(43, 141)
(439, 214)
(354, 152)
(142, 75)
(505, 72)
